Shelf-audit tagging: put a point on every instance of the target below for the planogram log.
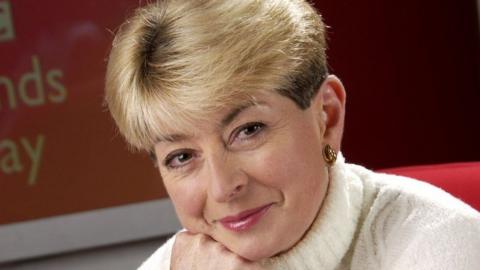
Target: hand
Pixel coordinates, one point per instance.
(200, 252)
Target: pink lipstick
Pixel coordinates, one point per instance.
(244, 220)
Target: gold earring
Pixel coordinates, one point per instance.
(329, 155)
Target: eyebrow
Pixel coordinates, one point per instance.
(235, 112)
(224, 122)
(173, 138)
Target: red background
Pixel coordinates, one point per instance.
(411, 69)
(85, 163)
(412, 73)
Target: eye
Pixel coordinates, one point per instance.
(178, 159)
(248, 131)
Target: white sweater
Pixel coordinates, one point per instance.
(377, 221)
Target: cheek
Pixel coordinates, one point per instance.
(294, 164)
(188, 199)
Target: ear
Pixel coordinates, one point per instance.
(329, 106)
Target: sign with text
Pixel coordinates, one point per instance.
(59, 150)
(6, 25)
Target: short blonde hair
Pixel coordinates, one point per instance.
(176, 61)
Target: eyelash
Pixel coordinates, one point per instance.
(258, 127)
(170, 157)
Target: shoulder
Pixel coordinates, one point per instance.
(160, 259)
(389, 191)
(411, 224)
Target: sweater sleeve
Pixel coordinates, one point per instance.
(160, 259)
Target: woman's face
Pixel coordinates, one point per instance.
(253, 178)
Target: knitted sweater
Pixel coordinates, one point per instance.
(377, 221)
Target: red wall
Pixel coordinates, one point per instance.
(81, 161)
(411, 69)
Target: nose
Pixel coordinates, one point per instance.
(226, 179)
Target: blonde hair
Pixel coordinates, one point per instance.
(176, 61)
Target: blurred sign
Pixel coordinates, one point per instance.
(6, 24)
(59, 150)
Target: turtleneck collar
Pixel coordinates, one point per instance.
(329, 238)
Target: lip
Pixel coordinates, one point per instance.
(246, 219)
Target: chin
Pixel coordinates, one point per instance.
(253, 256)
(254, 252)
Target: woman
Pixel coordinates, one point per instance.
(234, 102)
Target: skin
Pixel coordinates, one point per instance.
(269, 153)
